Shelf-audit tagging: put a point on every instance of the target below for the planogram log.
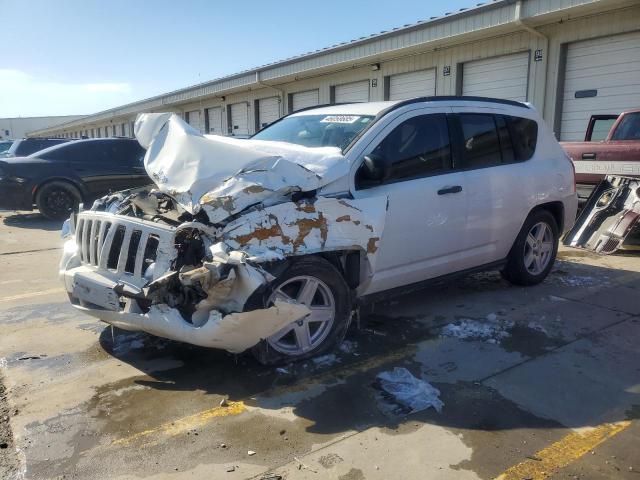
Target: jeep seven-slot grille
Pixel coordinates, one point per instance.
(115, 244)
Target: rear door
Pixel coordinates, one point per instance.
(493, 179)
(424, 230)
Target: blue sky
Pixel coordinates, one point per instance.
(69, 57)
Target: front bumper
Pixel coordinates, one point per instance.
(111, 292)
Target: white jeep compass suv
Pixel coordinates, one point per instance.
(271, 243)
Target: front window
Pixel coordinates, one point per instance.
(316, 130)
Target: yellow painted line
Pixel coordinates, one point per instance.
(235, 408)
(549, 460)
(22, 296)
(185, 424)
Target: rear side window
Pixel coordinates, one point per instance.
(29, 146)
(490, 140)
(628, 128)
(481, 144)
(524, 136)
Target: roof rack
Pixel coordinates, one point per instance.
(449, 98)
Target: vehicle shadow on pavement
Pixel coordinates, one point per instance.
(31, 220)
(566, 357)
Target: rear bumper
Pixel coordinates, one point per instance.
(15, 196)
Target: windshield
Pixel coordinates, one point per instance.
(4, 146)
(316, 130)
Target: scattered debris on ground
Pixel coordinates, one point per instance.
(408, 391)
(490, 330)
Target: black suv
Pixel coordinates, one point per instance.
(26, 146)
(59, 178)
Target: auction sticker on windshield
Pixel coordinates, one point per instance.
(340, 119)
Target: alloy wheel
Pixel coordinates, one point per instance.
(308, 333)
(538, 248)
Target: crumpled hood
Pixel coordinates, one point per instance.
(224, 175)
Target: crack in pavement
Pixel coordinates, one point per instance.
(31, 251)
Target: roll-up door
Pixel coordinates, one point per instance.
(268, 111)
(214, 115)
(239, 119)
(306, 99)
(193, 119)
(352, 92)
(601, 76)
(498, 77)
(412, 84)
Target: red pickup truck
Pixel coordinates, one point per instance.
(611, 147)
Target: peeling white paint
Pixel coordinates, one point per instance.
(309, 227)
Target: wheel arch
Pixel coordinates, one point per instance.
(74, 183)
(556, 209)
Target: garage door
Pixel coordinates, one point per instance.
(499, 77)
(601, 76)
(215, 120)
(352, 92)
(412, 84)
(239, 119)
(193, 119)
(268, 111)
(306, 99)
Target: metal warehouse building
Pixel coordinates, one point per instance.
(569, 58)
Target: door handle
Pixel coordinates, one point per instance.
(446, 190)
(588, 156)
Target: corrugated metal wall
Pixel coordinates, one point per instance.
(400, 56)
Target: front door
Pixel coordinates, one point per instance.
(424, 231)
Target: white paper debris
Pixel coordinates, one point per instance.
(410, 391)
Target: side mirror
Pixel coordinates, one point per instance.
(375, 167)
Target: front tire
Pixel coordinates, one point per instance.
(316, 283)
(56, 200)
(534, 252)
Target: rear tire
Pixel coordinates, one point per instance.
(56, 200)
(534, 252)
(328, 297)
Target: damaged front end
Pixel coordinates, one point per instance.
(182, 260)
(610, 219)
